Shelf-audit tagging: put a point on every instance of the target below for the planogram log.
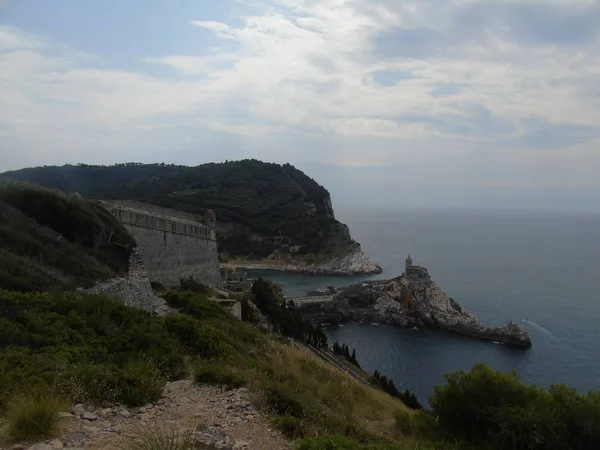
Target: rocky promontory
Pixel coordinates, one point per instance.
(414, 300)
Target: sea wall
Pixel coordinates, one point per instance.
(172, 246)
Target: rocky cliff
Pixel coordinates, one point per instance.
(410, 301)
(355, 262)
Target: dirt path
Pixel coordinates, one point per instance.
(218, 419)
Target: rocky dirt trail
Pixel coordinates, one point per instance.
(217, 418)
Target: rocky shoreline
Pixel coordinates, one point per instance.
(412, 300)
(354, 263)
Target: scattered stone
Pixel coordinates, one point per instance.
(65, 415)
(221, 420)
(205, 440)
(78, 410)
(105, 412)
(18, 447)
(56, 444)
(89, 416)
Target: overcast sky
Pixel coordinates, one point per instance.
(434, 102)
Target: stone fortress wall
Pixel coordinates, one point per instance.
(134, 289)
(173, 244)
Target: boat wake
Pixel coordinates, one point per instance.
(539, 327)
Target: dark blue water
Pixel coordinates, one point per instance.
(501, 266)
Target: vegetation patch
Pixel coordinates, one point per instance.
(279, 204)
(32, 417)
(50, 240)
(160, 437)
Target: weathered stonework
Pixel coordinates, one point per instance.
(173, 244)
(134, 289)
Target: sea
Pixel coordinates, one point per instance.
(539, 269)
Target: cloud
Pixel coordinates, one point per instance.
(442, 88)
(12, 39)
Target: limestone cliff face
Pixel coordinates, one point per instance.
(355, 262)
(411, 302)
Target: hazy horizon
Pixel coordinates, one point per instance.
(463, 103)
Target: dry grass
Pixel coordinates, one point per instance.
(307, 396)
(160, 437)
(34, 417)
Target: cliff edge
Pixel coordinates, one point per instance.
(414, 300)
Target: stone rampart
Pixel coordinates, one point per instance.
(134, 289)
(172, 246)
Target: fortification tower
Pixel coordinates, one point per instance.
(210, 219)
(409, 261)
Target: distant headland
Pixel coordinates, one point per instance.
(270, 215)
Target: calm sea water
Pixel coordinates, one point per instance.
(501, 266)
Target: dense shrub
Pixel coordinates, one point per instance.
(199, 338)
(336, 442)
(291, 427)
(58, 339)
(142, 382)
(419, 423)
(191, 285)
(486, 405)
(284, 401)
(212, 372)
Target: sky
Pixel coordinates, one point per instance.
(482, 103)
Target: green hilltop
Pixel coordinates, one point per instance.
(261, 207)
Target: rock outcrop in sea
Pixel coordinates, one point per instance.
(414, 300)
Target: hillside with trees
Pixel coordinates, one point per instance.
(60, 348)
(49, 240)
(261, 208)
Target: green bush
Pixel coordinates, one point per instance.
(291, 427)
(336, 442)
(191, 285)
(420, 423)
(45, 337)
(33, 417)
(484, 405)
(284, 401)
(211, 372)
(142, 382)
(200, 338)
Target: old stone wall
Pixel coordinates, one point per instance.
(172, 247)
(134, 289)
